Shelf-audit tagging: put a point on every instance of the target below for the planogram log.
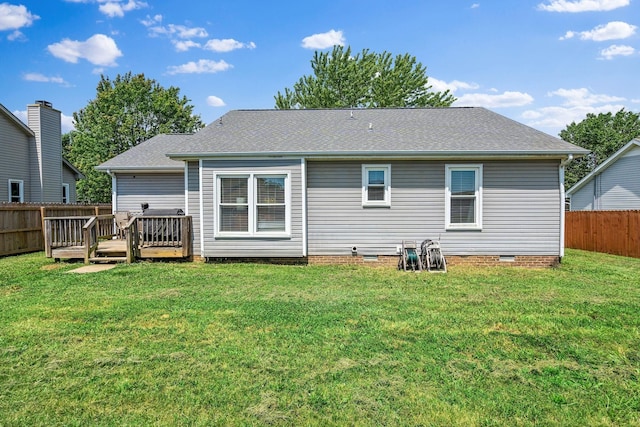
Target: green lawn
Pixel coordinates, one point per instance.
(251, 344)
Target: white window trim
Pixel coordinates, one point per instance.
(252, 189)
(477, 224)
(66, 188)
(387, 186)
(21, 183)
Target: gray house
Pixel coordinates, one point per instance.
(328, 186)
(613, 185)
(32, 168)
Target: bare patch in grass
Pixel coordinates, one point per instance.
(50, 267)
(266, 411)
(5, 291)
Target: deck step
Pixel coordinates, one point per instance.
(108, 259)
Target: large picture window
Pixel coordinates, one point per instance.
(376, 185)
(463, 204)
(16, 191)
(253, 204)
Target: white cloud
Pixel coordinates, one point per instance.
(184, 45)
(66, 123)
(616, 50)
(227, 45)
(214, 101)
(453, 86)
(611, 31)
(202, 66)
(324, 40)
(13, 17)
(556, 118)
(151, 20)
(179, 31)
(583, 97)
(505, 99)
(582, 5)
(16, 35)
(97, 49)
(574, 106)
(38, 77)
(475, 5)
(117, 8)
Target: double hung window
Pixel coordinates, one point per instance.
(463, 203)
(16, 191)
(376, 185)
(253, 204)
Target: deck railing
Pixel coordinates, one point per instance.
(83, 234)
(96, 228)
(61, 232)
(165, 231)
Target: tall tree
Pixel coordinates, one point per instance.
(603, 135)
(366, 80)
(126, 111)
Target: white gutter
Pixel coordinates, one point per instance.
(563, 163)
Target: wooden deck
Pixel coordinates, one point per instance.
(100, 239)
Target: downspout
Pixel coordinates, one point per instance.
(563, 164)
(303, 173)
(114, 195)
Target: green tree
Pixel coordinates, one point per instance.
(126, 111)
(366, 80)
(603, 134)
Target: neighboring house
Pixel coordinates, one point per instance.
(32, 168)
(613, 185)
(351, 185)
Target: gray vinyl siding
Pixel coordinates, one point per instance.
(159, 190)
(582, 200)
(251, 247)
(47, 154)
(68, 177)
(620, 183)
(193, 203)
(615, 188)
(14, 158)
(521, 209)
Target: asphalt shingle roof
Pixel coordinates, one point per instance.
(343, 132)
(150, 154)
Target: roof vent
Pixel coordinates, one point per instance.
(351, 114)
(220, 122)
(44, 103)
(370, 127)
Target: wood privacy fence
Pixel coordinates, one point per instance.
(613, 232)
(21, 224)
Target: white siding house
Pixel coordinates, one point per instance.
(613, 185)
(351, 185)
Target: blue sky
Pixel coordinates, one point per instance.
(544, 63)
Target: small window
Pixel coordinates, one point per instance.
(463, 204)
(65, 193)
(16, 191)
(376, 185)
(253, 204)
